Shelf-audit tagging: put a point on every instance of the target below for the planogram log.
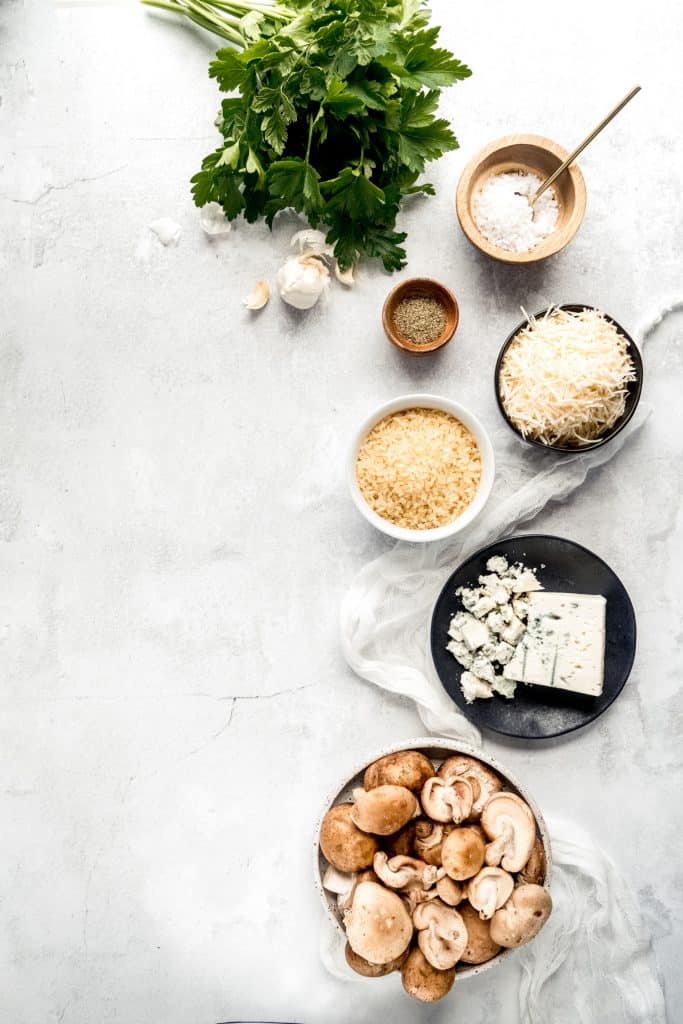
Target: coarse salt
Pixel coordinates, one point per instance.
(504, 216)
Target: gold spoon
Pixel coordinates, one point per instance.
(579, 149)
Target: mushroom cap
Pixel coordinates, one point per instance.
(344, 845)
(401, 842)
(424, 982)
(407, 768)
(489, 890)
(522, 917)
(511, 826)
(404, 872)
(449, 891)
(482, 779)
(535, 868)
(444, 802)
(378, 926)
(368, 970)
(480, 946)
(462, 853)
(442, 935)
(383, 810)
(429, 837)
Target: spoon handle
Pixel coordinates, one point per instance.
(580, 148)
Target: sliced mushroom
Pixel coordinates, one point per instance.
(404, 872)
(522, 917)
(378, 926)
(442, 935)
(429, 837)
(362, 966)
(449, 891)
(383, 810)
(344, 845)
(480, 946)
(482, 779)
(489, 890)
(401, 843)
(535, 868)
(407, 768)
(447, 803)
(424, 982)
(462, 853)
(508, 821)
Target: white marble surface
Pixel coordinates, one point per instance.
(176, 535)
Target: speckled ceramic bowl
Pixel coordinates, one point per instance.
(437, 750)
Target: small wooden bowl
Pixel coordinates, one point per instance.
(422, 287)
(523, 153)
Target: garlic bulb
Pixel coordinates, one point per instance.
(302, 280)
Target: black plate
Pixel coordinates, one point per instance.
(538, 712)
(634, 388)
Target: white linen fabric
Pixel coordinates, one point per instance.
(596, 931)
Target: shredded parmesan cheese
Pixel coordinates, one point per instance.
(419, 468)
(564, 378)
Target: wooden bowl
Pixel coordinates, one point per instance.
(523, 153)
(422, 287)
(634, 389)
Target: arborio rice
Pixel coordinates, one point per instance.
(419, 468)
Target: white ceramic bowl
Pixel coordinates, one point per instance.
(488, 467)
(437, 749)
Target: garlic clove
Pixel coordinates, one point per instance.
(344, 277)
(213, 221)
(259, 296)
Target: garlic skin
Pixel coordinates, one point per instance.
(167, 230)
(311, 242)
(259, 296)
(302, 280)
(213, 221)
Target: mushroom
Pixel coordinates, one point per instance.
(508, 821)
(378, 926)
(407, 768)
(482, 779)
(480, 946)
(489, 890)
(404, 872)
(522, 917)
(424, 982)
(535, 868)
(344, 845)
(401, 843)
(444, 802)
(429, 837)
(340, 883)
(449, 891)
(362, 966)
(462, 853)
(345, 899)
(442, 935)
(383, 810)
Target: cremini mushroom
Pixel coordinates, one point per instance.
(535, 868)
(424, 982)
(383, 810)
(362, 966)
(522, 917)
(482, 779)
(449, 891)
(480, 946)
(429, 837)
(404, 872)
(444, 802)
(489, 890)
(407, 768)
(344, 845)
(509, 823)
(462, 853)
(441, 933)
(401, 843)
(378, 926)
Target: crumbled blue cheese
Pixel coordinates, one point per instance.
(474, 688)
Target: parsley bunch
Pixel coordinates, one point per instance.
(333, 113)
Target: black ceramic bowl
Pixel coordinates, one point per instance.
(634, 388)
